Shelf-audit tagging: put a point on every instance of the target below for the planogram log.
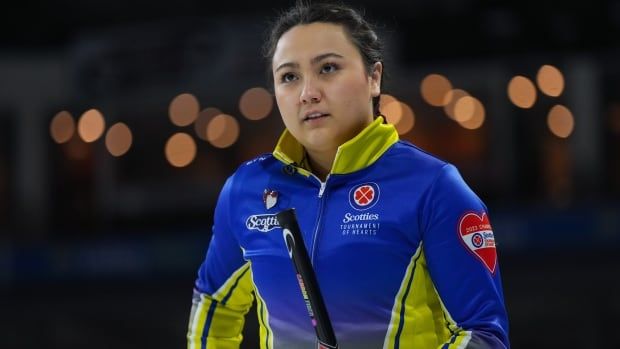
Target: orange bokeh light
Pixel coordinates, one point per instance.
(62, 127)
(560, 121)
(183, 109)
(450, 100)
(477, 116)
(118, 139)
(407, 119)
(522, 92)
(550, 80)
(434, 88)
(392, 109)
(180, 149)
(256, 103)
(91, 125)
(201, 123)
(223, 131)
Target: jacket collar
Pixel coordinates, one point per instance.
(357, 153)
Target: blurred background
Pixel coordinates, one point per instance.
(120, 121)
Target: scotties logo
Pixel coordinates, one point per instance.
(365, 196)
(262, 222)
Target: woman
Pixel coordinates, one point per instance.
(403, 250)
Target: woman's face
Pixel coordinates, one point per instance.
(322, 87)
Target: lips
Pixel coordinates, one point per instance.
(314, 115)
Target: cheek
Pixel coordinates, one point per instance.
(286, 106)
(352, 93)
(283, 101)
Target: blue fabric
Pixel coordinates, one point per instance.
(361, 235)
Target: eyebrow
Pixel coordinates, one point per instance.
(313, 61)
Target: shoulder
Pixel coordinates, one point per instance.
(412, 152)
(412, 157)
(427, 170)
(259, 163)
(254, 170)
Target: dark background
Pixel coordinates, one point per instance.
(101, 251)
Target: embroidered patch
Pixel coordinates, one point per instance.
(364, 196)
(262, 222)
(270, 198)
(477, 235)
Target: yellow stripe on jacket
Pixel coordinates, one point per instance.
(216, 321)
(419, 319)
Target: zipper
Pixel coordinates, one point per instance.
(322, 188)
(317, 224)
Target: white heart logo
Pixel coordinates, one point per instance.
(270, 198)
(270, 201)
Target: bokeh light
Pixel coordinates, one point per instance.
(550, 80)
(464, 108)
(391, 108)
(62, 127)
(201, 123)
(223, 131)
(118, 139)
(476, 119)
(183, 109)
(256, 103)
(180, 149)
(522, 92)
(450, 100)
(434, 88)
(91, 125)
(385, 99)
(560, 121)
(407, 119)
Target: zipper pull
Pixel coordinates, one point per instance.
(323, 185)
(322, 189)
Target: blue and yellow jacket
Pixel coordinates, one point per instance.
(403, 252)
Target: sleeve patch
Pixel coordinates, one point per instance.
(477, 237)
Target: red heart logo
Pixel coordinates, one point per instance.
(477, 235)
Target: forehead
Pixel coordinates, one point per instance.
(305, 41)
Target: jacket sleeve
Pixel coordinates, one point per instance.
(223, 289)
(460, 249)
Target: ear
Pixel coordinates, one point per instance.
(375, 79)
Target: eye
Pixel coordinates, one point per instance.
(287, 77)
(329, 68)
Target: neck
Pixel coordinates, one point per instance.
(321, 162)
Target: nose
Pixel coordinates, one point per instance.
(310, 93)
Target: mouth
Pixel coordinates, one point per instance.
(314, 116)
